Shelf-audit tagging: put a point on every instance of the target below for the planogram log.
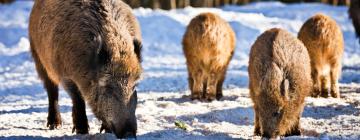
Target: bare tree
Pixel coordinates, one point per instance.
(168, 4)
(182, 3)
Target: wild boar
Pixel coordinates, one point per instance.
(324, 42)
(279, 73)
(92, 48)
(354, 14)
(208, 45)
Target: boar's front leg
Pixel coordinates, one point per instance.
(197, 89)
(54, 118)
(325, 86)
(295, 130)
(80, 121)
(219, 85)
(334, 74)
(210, 94)
(257, 131)
(317, 83)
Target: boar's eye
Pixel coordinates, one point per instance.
(103, 56)
(277, 113)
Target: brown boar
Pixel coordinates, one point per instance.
(354, 14)
(208, 45)
(91, 48)
(324, 42)
(279, 72)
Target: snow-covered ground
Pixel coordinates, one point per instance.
(163, 97)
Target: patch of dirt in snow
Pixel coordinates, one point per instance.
(230, 118)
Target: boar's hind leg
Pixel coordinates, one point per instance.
(334, 74)
(256, 125)
(219, 85)
(78, 110)
(211, 87)
(317, 83)
(191, 82)
(325, 86)
(54, 118)
(197, 87)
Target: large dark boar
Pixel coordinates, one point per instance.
(325, 44)
(208, 46)
(279, 72)
(354, 13)
(91, 48)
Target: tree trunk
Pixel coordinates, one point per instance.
(201, 3)
(168, 4)
(153, 4)
(217, 3)
(133, 3)
(225, 2)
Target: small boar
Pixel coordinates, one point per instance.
(279, 72)
(354, 14)
(92, 48)
(208, 45)
(324, 42)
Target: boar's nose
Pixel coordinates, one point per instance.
(267, 136)
(125, 132)
(130, 135)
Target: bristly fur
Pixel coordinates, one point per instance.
(324, 41)
(92, 48)
(279, 80)
(208, 45)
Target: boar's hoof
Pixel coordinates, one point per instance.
(210, 97)
(315, 93)
(219, 96)
(54, 126)
(103, 127)
(335, 94)
(54, 123)
(257, 132)
(325, 93)
(79, 130)
(294, 132)
(195, 96)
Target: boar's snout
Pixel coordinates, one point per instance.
(128, 130)
(116, 109)
(271, 135)
(124, 125)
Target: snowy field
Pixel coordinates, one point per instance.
(163, 92)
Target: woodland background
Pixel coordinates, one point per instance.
(172, 4)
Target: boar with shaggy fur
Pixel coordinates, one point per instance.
(324, 42)
(91, 48)
(208, 45)
(279, 72)
(354, 14)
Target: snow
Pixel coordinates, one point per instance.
(163, 91)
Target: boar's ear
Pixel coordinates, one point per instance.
(284, 89)
(137, 48)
